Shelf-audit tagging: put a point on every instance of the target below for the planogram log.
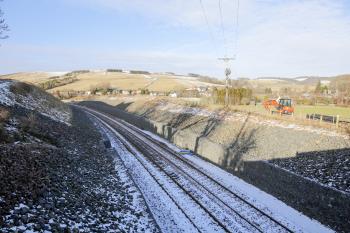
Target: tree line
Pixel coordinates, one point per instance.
(237, 96)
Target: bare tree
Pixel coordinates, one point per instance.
(3, 26)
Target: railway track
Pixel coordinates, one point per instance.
(225, 207)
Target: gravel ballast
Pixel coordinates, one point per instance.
(62, 178)
(331, 167)
(273, 156)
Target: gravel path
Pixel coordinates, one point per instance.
(61, 178)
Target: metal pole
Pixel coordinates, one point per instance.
(227, 74)
(337, 122)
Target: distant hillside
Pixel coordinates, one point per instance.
(306, 79)
(32, 77)
(299, 84)
(87, 80)
(84, 81)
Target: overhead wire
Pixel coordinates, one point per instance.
(223, 28)
(234, 43)
(208, 26)
(236, 30)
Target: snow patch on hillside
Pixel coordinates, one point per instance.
(57, 73)
(271, 79)
(42, 105)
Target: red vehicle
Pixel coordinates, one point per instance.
(280, 105)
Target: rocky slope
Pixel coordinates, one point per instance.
(56, 174)
(232, 138)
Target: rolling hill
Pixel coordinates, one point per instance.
(125, 81)
(84, 81)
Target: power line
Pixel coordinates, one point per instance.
(208, 25)
(223, 28)
(236, 30)
(225, 59)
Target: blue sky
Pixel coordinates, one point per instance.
(276, 38)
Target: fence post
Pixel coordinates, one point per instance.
(321, 117)
(337, 123)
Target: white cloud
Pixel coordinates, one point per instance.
(298, 38)
(289, 38)
(276, 38)
(45, 58)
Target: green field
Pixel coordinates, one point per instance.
(301, 110)
(343, 112)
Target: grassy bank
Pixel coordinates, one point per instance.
(300, 110)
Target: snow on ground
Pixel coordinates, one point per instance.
(42, 105)
(271, 79)
(329, 168)
(57, 73)
(301, 79)
(175, 108)
(168, 216)
(6, 97)
(140, 219)
(260, 199)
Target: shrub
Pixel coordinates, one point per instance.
(3, 135)
(28, 122)
(139, 72)
(145, 92)
(52, 83)
(20, 88)
(4, 115)
(115, 70)
(237, 96)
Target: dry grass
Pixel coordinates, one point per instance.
(161, 83)
(116, 80)
(29, 122)
(35, 77)
(300, 110)
(276, 85)
(4, 114)
(166, 84)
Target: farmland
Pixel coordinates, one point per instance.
(86, 81)
(300, 110)
(175, 116)
(118, 80)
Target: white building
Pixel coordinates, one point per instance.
(173, 95)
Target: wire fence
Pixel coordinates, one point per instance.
(337, 120)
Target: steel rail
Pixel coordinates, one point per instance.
(190, 164)
(155, 179)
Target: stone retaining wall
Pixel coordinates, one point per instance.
(328, 206)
